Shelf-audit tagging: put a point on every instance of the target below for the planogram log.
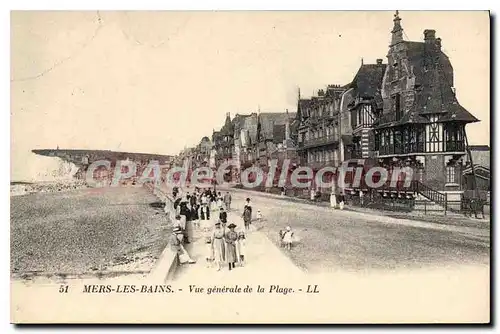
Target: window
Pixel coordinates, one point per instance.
(396, 102)
(396, 71)
(450, 174)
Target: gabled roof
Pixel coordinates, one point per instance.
(434, 77)
(267, 121)
(368, 80)
(228, 128)
(250, 125)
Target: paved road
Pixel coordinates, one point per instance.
(333, 240)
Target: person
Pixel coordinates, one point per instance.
(361, 198)
(240, 248)
(259, 215)
(247, 214)
(283, 191)
(231, 237)
(218, 245)
(227, 201)
(341, 200)
(195, 217)
(288, 238)
(185, 213)
(178, 222)
(205, 211)
(313, 195)
(223, 217)
(219, 201)
(176, 244)
(333, 199)
(210, 251)
(177, 202)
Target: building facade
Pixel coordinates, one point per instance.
(422, 124)
(318, 128)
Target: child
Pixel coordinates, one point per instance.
(259, 215)
(288, 238)
(240, 248)
(341, 204)
(210, 251)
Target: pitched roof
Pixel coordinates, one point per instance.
(302, 105)
(267, 121)
(228, 128)
(279, 131)
(430, 69)
(368, 80)
(250, 125)
(433, 76)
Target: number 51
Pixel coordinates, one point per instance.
(63, 289)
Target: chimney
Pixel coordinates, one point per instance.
(379, 61)
(429, 35)
(438, 43)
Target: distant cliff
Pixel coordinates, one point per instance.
(83, 157)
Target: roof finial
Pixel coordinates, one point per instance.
(299, 93)
(361, 60)
(258, 109)
(397, 30)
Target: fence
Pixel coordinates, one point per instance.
(403, 202)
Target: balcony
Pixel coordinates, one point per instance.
(401, 149)
(322, 141)
(455, 146)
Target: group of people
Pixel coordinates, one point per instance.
(225, 245)
(199, 211)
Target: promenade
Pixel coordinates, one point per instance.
(264, 260)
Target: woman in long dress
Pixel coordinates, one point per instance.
(231, 237)
(333, 200)
(218, 245)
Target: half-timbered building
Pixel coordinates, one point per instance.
(422, 124)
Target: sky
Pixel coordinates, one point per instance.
(156, 82)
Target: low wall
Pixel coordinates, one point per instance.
(168, 262)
